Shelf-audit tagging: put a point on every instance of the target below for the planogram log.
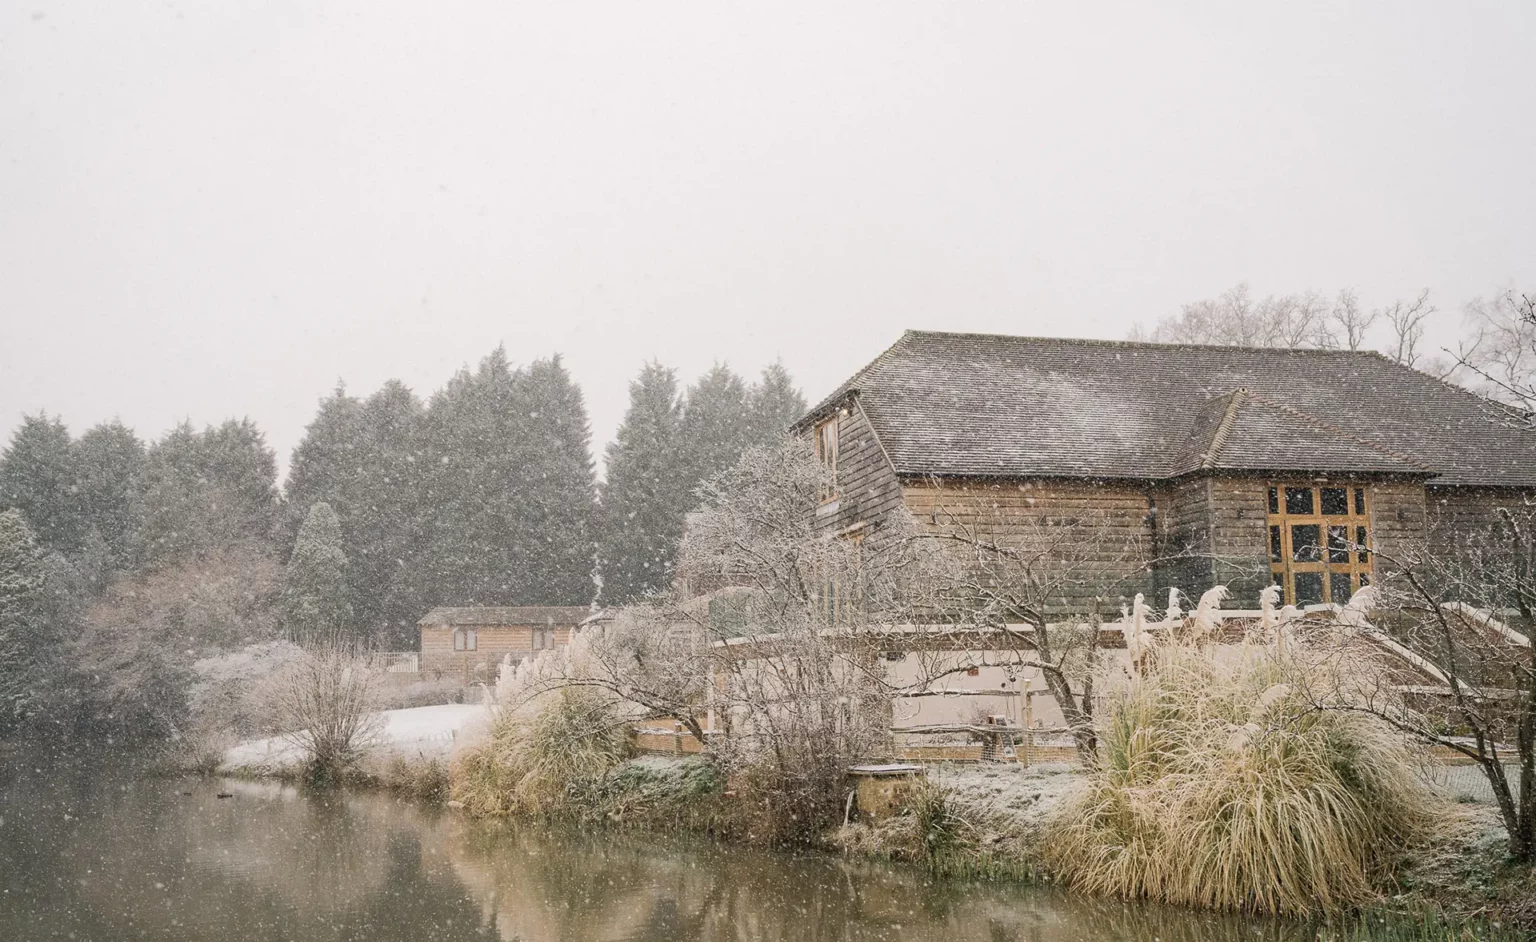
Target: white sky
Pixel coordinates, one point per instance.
(214, 209)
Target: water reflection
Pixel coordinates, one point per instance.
(157, 859)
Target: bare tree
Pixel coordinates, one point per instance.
(1349, 323)
(1407, 321)
(1458, 619)
(1501, 353)
(323, 703)
(1237, 319)
(1305, 320)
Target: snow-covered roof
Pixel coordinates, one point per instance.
(992, 405)
(564, 615)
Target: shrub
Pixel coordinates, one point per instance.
(323, 703)
(926, 825)
(423, 780)
(774, 806)
(664, 793)
(1223, 787)
(548, 759)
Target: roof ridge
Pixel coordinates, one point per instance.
(1157, 344)
(1224, 427)
(1332, 429)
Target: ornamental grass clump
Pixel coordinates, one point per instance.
(1222, 786)
(548, 758)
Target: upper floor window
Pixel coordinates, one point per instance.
(826, 453)
(464, 640)
(1319, 539)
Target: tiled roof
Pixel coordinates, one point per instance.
(523, 615)
(980, 404)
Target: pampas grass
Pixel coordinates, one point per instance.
(1222, 787)
(545, 760)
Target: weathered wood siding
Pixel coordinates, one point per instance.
(1124, 538)
(1399, 517)
(1184, 548)
(493, 643)
(1096, 540)
(1239, 513)
(1458, 515)
(867, 488)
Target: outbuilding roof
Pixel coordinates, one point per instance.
(519, 616)
(954, 404)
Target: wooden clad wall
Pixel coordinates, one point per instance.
(867, 488)
(1457, 515)
(1184, 535)
(1399, 517)
(1239, 528)
(493, 642)
(1096, 539)
(1239, 512)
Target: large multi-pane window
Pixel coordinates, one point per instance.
(1319, 541)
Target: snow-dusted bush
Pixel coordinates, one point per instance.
(548, 755)
(1223, 786)
(228, 697)
(323, 703)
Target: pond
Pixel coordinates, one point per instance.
(148, 858)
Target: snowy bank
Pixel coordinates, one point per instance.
(425, 732)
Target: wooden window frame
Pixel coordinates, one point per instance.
(825, 438)
(1359, 569)
(466, 639)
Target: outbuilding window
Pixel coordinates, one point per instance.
(1319, 542)
(464, 639)
(826, 453)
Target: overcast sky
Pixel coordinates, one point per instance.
(214, 209)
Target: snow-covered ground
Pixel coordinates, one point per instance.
(1017, 799)
(420, 732)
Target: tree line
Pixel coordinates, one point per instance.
(486, 493)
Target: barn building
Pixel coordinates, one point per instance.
(1178, 465)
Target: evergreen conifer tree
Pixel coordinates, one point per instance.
(325, 463)
(242, 466)
(111, 460)
(39, 477)
(25, 634)
(471, 487)
(510, 487)
(360, 457)
(558, 510)
(316, 601)
(202, 491)
(384, 532)
(773, 403)
(716, 426)
(643, 506)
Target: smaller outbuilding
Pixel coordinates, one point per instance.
(464, 640)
